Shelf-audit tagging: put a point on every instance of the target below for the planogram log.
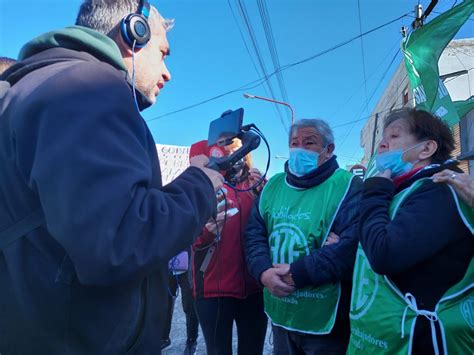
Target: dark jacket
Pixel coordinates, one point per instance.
(226, 274)
(425, 250)
(329, 264)
(93, 278)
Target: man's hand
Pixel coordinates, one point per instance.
(332, 238)
(285, 273)
(272, 279)
(200, 161)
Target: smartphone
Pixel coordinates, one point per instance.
(225, 128)
(232, 212)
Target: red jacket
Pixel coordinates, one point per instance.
(226, 274)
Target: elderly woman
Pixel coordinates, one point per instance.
(413, 286)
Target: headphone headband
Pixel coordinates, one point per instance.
(144, 9)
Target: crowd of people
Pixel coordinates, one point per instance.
(93, 248)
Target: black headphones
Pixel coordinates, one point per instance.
(135, 28)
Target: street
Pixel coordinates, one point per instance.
(178, 335)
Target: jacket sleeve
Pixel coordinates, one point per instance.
(257, 250)
(426, 223)
(93, 174)
(334, 262)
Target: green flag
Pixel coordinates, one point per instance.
(463, 107)
(422, 49)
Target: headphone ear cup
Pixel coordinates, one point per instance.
(135, 28)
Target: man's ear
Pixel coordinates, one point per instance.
(429, 149)
(330, 148)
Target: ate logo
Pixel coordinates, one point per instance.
(467, 310)
(364, 288)
(287, 243)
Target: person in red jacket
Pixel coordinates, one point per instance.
(223, 289)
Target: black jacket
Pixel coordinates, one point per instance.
(425, 250)
(329, 264)
(93, 278)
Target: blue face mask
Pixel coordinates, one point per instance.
(302, 161)
(393, 160)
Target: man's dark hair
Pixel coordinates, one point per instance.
(423, 125)
(6, 63)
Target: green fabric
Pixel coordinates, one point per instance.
(77, 38)
(383, 320)
(422, 50)
(371, 167)
(298, 222)
(463, 107)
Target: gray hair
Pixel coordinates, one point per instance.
(105, 15)
(319, 125)
(6, 63)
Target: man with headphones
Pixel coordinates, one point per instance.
(86, 227)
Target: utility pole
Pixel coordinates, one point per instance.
(420, 16)
(374, 133)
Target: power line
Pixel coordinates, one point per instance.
(373, 93)
(337, 46)
(267, 27)
(363, 56)
(253, 38)
(243, 38)
(246, 46)
(260, 81)
(370, 116)
(365, 81)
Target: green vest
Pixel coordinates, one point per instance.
(383, 319)
(298, 221)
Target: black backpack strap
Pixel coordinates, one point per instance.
(21, 228)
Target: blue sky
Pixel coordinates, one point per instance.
(209, 58)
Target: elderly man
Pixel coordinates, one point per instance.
(301, 242)
(87, 228)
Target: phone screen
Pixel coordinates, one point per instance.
(225, 127)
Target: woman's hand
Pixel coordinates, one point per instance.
(463, 184)
(214, 226)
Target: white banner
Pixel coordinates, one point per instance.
(174, 159)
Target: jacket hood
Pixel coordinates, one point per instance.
(70, 43)
(76, 38)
